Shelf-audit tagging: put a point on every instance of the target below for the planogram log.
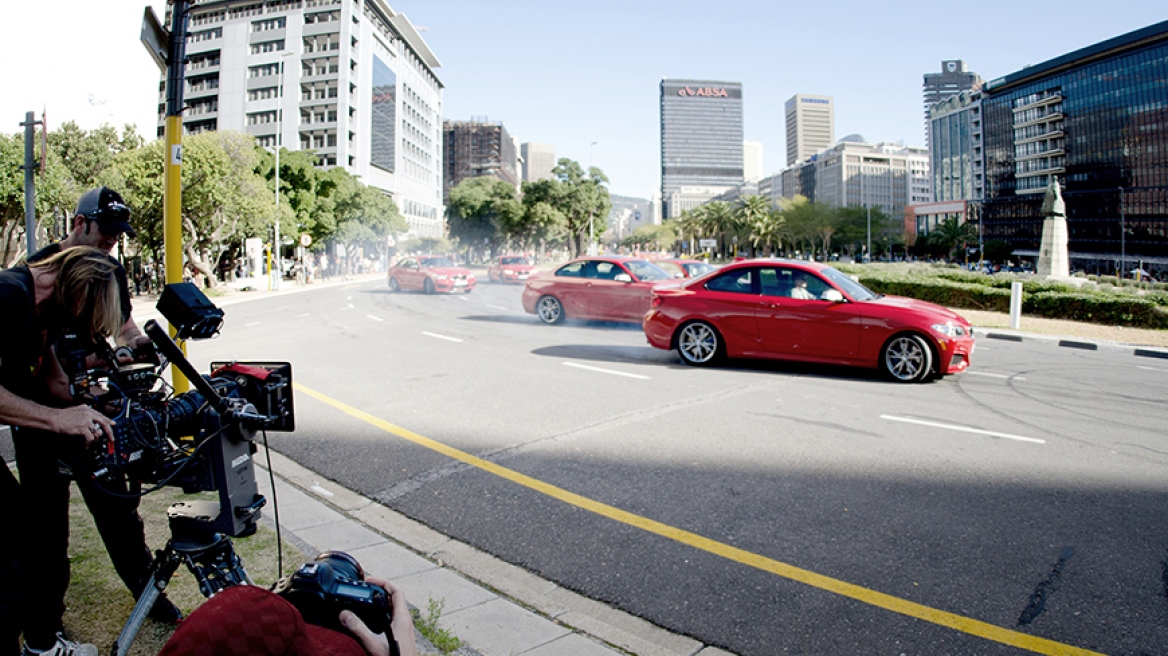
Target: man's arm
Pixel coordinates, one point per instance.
(76, 420)
(130, 335)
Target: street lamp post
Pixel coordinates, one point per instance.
(274, 278)
(591, 211)
(862, 202)
(1122, 235)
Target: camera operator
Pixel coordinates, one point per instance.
(247, 620)
(99, 220)
(75, 290)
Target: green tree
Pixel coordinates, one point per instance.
(750, 212)
(810, 224)
(584, 202)
(949, 234)
(478, 209)
(365, 216)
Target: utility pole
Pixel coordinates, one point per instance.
(30, 165)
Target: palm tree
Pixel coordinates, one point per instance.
(769, 229)
(950, 233)
(718, 219)
(750, 210)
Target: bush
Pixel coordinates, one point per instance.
(957, 288)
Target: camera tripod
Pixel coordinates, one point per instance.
(194, 542)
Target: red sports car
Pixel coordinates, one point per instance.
(684, 268)
(510, 268)
(806, 311)
(431, 274)
(597, 288)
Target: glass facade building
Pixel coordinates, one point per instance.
(1096, 120)
(955, 148)
(701, 137)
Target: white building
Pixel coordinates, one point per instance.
(885, 175)
(351, 80)
(752, 161)
(810, 126)
(538, 160)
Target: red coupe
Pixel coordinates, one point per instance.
(430, 274)
(806, 311)
(510, 268)
(596, 288)
(684, 268)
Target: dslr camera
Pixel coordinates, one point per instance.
(320, 589)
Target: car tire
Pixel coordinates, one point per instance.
(549, 309)
(698, 344)
(394, 286)
(428, 286)
(907, 358)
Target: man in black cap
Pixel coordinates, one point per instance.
(100, 219)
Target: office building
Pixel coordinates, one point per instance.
(810, 126)
(538, 161)
(353, 82)
(701, 141)
(752, 160)
(951, 81)
(884, 175)
(472, 149)
(1095, 120)
(956, 149)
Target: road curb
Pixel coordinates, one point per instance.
(1071, 342)
(543, 598)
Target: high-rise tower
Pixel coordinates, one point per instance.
(810, 126)
(701, 141)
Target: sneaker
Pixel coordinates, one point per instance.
(63, 647)
(165, 611)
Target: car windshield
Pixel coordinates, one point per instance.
(646, 270)
(851, 287)
(435, 262)
(696, 269)
(514, 260)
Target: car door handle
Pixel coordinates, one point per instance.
(766, 304)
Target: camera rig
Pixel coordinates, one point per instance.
(202, 440)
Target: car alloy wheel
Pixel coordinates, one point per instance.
(393, 286)
(428, 286)
(907, 359)
(698, 343)
(549, 309)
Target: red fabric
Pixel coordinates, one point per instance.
(246, 620)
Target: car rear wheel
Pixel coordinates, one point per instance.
(907, 359)
(698, 343)
(393, 286)
(549, 309)
(428, 286)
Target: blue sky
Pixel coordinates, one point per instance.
(575, 73)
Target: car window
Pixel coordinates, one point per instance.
(738, 281)
(602, 270)
(514, 260)
(696, 269)
(644, 270)
(406, 263)
(572, 270)
(435, 262)
(851, 287)
(671, 268)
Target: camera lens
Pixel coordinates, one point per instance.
(344, 565)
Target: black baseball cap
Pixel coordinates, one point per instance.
(106, 207)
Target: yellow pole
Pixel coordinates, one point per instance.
(172, 223)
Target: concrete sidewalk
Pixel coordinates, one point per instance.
(497, 609)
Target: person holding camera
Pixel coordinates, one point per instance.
(74, 291)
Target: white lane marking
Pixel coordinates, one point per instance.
(374, 318)
(306, 314)
(606, 371)
(1140, 366)
(964, 429)
(463, 298)
(497, 307)
(253, 323)
(449, 339)
(320, 490)
(984, 373)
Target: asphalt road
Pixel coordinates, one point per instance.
(763, 508)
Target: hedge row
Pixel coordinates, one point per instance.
(959, 289)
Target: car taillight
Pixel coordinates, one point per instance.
(657, 300)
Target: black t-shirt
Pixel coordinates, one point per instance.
(22, 343)
(123, 284)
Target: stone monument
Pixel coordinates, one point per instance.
(1053, 258)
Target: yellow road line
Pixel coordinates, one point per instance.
(865, 595)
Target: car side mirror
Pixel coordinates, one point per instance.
(679, 275)
(833, 295)
(623, 277)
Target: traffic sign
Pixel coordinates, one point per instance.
(155, 38)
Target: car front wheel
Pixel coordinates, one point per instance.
(907, 359)
(393, 286)
(698, 343)
(549, 309)
(428, 286)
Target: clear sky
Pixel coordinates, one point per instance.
(574, 73)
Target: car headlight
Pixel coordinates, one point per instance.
(508, 272)
(441, 276)
(949, 329)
